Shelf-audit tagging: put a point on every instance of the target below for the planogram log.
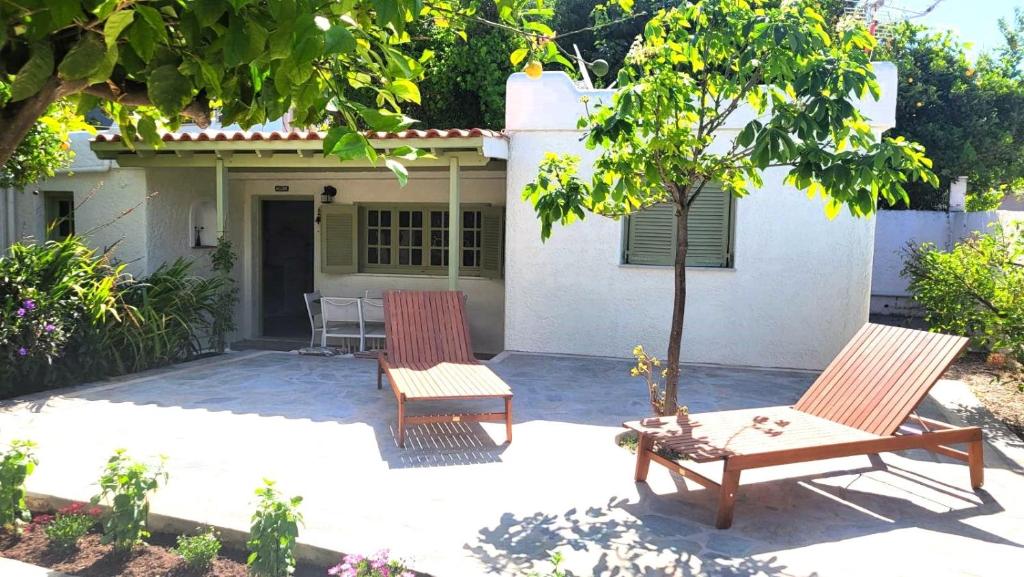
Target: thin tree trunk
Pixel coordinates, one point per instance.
(17, 118)
(675, 339)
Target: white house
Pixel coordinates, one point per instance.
(773, 283)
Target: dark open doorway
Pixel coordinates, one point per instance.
(287, 266)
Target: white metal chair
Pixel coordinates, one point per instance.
(341, 319)
(372, 310)
(316, 321)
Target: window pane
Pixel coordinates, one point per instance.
(435, 258)
(385, 218)
(467, 219)
(371, 236)
(371, 255)
(437, 238)
(417, 219)
(403, 256)
(403, 237)
(417, 256)
(467, 258)
(385, 256)
(385, 237)
(372, 217)
(403, 218)
(417, 236)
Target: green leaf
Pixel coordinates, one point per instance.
(169, 90)
(34, 73)
(401, 173)
(84, 58)
(208, 11)
(405, 90)
(116, 24)
(339, 40)
(333, 136)
(517, 56)
(142, 40)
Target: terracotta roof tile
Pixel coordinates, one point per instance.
(242, 135)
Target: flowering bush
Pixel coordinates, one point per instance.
(69, 314)
(379, 565)
(64, 531)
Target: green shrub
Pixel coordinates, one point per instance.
(65, 530)
(198, 550)
(976, 289)
(72, 315)
(16, 464)
(275, 526)
(125, 486)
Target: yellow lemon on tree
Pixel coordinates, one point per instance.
(533, 69)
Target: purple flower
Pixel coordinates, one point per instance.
(29, 304)
(20, 313)
(23, 352)
(49, 328)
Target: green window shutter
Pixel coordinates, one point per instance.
(491, 244)
(709, 228)
(338, 238)
(651, 233)
(651, 236)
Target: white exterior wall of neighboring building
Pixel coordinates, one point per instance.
(798, 290)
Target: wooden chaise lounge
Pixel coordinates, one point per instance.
(429, 358)
(862, 404)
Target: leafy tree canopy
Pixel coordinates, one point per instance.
(969, 115)
(660, 140)
(45, 148)
(148, 64)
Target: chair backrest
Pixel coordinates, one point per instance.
(880, 377)
(312, 304)
(373, 310)
(426, 327)
(340, 309)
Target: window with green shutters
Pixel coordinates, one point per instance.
(650, 235)
(410, 239)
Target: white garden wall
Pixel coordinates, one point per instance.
(798, 290)
(896, 229)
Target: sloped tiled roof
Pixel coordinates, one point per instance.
(254, 136)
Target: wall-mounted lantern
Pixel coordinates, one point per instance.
(327, 196)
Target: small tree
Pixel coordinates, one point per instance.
(694, 69)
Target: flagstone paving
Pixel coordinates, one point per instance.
(459, 503)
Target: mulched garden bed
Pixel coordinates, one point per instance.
(94, 559)
(999, 387)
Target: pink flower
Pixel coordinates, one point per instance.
(20, 312)
(23, 352)
(49, 328)
(29, 304)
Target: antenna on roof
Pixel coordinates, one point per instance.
(582, 64)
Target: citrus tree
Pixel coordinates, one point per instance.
(700, 67)
(150, 64)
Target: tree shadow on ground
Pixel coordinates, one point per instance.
(672, 534)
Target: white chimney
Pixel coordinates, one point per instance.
(958, 194)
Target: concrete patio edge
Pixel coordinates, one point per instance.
(954, 399)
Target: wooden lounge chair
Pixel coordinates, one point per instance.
(429, 358)
(860, 405)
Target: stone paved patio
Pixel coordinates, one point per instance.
(458, 504)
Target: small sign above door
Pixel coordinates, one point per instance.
(280, 188)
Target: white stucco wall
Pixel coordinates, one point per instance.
(485, 297)
(898, 228)
(173, 191)
(110, 205)
(798, 291)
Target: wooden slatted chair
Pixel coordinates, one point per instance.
(429, 358)
(861, 404)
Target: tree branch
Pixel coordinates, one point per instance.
(198, 111)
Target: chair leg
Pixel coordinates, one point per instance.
(508, 420)
(401, 423)
(976, 462)
(643, 459)
(727, 498)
